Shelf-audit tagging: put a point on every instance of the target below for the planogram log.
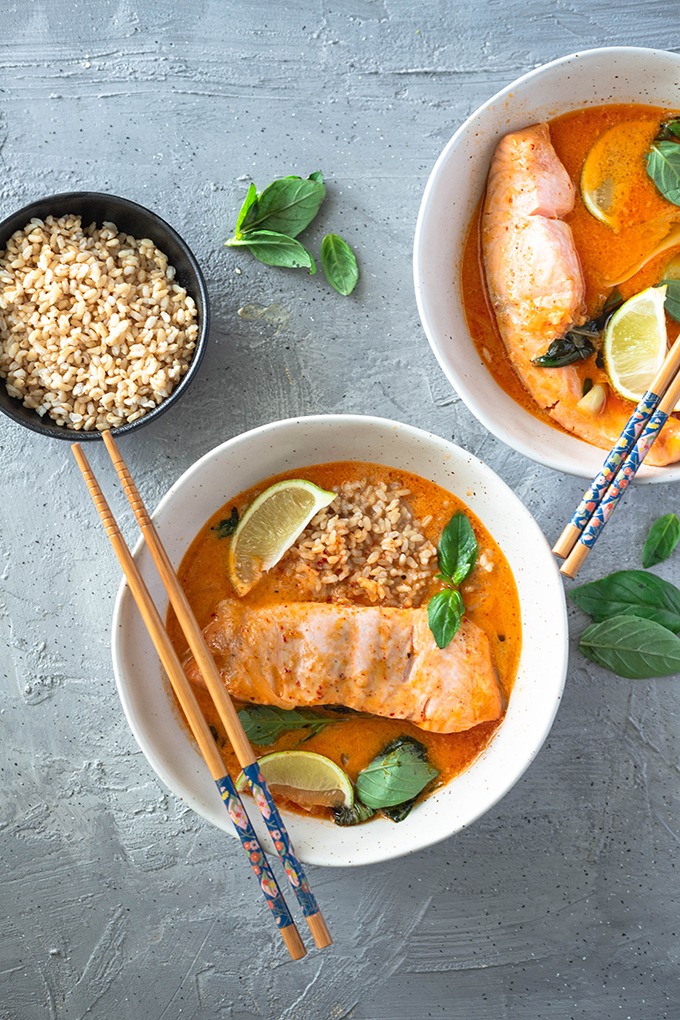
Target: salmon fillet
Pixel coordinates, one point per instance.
(536, 285)
(379, 660)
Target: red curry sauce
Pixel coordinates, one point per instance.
(490, 597)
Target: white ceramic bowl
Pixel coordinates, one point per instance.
(254, 456)
(617, 74)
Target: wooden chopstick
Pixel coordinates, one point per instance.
(627, 471)
(194, 716)
(223, 703)
(618, 454)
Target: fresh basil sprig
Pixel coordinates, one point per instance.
(663, 166)
(286, 206)
(397, 775)
(275, 249)
(457, 554)
(631, 647)
(662, 539)
(630, 593)
(339, 264)
(269, 223)
(264, 724)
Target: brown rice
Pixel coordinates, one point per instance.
(94, 332)
(367, 546)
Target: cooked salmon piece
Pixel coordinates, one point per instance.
(536, 285)
(379, 660)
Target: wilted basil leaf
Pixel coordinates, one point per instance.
(631, 593)
(634, 648)
(662, 539)
(339, 264)
(275, 249)
(669, 130)
(444, 615)
(354, 815)
(457, 549)
(400, 811)
(663, 166)
(227, 527)
(574, 346)
(399, 773)
(264, 724)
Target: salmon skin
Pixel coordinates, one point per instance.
(535, 282)
(379, 660)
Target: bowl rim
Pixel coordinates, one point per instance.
(647, 473)
(45, 426)
(520, 758)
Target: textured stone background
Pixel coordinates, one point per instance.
(117, 902)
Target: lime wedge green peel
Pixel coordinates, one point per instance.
(270, 526)
(304, 777)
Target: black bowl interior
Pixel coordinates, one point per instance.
(134, 219)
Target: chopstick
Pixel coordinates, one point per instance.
(194, 716)
(621, 465)
(615, 458)
(228, 715)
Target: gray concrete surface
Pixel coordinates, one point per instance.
(118, 902)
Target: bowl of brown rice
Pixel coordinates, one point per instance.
(374, 544)
(103, 315)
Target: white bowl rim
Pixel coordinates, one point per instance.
(514, 769)
(647, 473)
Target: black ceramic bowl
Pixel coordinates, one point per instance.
(139, 222)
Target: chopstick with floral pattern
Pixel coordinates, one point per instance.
(245, 755)
(194, 716)
(617, 456)
(630, 465)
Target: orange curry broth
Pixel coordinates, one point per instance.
(491, 600)
(604, 254)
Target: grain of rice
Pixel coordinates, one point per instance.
(116, 295)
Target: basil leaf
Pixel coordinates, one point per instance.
(574, 346)
(227, 527)
(672, 302)
(663, 166)
(662, 539)
(250, 201)
(457, 549)
(631, 593)
(444, 615)
(339, 264)
(275, 250)
(669, 130)
(316, 175)
(264, 724)
(400, 811)
(633, 648)
(286, 206)
(354, 815)
(399, 773)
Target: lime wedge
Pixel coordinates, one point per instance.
(269, 527)
(614, 185)
(305, 778)
(635, 343)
